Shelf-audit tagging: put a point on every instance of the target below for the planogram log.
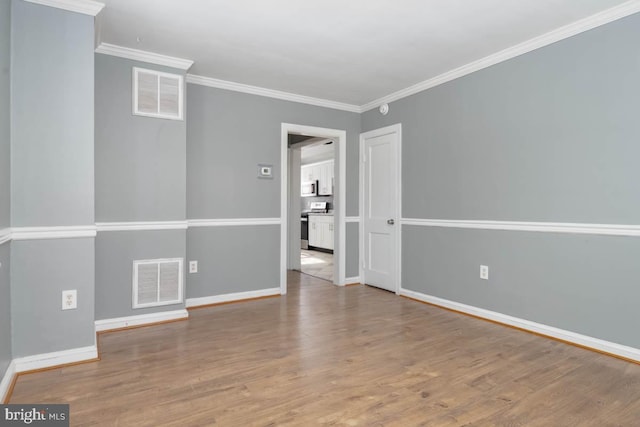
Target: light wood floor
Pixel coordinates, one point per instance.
(354, 356)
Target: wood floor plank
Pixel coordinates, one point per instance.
(323, 355)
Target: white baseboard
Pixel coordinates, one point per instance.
(550, 331)
(7, 379)
(351, 280)
(238, 296)
(47, 360)
(139, 320)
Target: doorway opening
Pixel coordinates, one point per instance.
(313, 202)
(317, 160)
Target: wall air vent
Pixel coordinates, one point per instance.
(157, 94)
(157, 282)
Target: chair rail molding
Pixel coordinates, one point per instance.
(542, 227)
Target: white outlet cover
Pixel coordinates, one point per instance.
(484, 272)
(193, 266)
(69, 299)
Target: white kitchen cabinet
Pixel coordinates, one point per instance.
(321, 231)
(306, 174)
(325, 181)
(321, 172)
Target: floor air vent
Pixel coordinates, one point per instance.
(157, 282)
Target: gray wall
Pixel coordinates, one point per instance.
(52, 116)
(41, 270)
(233, 259)
(115, 253)
(353, 250)
(140, 161)
(140, 176)
(5, 187)
(5, 308)
(548, 136)
(51, 176)
(5, 112)
(581, 283)
(228, 135)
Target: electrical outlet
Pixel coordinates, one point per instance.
(193, 266)
(70, 299)
(484, 272)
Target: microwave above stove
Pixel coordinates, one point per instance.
(309, 188)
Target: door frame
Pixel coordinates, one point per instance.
(339, 198)
(397, 129)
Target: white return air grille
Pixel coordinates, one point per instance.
(157, 94)
(157, 282)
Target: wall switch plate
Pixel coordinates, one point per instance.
(193, 266)
(484, 272)
(70, 299)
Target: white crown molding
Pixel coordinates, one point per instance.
(351, 219)
(144, 56)
(7, 379)
(141, 225)
(588, 23)
(271, 93)
(140, 320)
(5, 236)
(237, 296)
(86, 7)
(64, 232)
(57, 358)
(543, 227)
(550, 331)
(233, 222)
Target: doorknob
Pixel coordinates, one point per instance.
(390, 221)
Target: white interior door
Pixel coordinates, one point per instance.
(380, 207)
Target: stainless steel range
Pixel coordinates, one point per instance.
(314, 207)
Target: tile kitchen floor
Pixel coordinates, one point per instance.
(317, 264)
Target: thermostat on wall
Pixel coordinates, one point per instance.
(265, 171)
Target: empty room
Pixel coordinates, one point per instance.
(294, 213)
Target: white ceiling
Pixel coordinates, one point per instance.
(346, 51)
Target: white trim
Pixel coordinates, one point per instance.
(7, 379)
(237, 296)
(543, 227)
(86, 7)
(223, 222)
(271, 93)
(350, 280)
(397, 129)
(340, 136)
(144, 56)
(572, 337)
(139, 320)
(57, 358)
(141, 225)
(585, 24)
(64, 232)
(5, 235)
